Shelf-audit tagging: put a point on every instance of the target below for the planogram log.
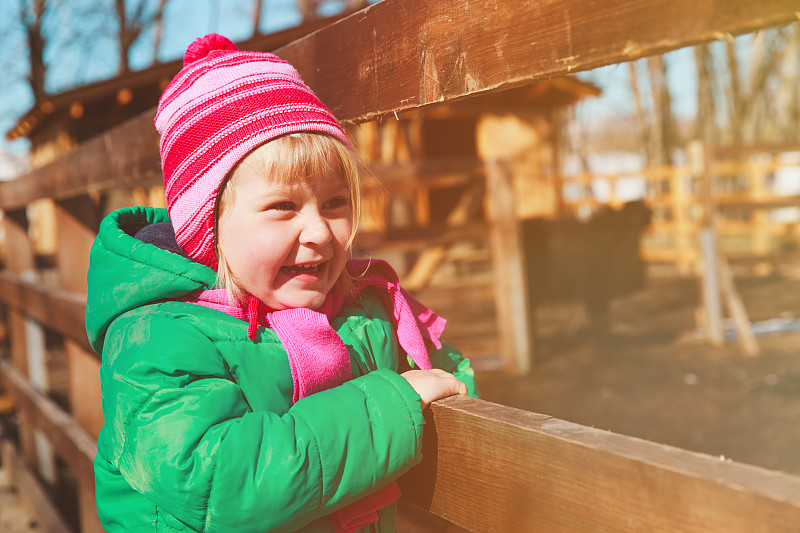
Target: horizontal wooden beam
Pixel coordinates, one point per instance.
(398, 55)
(488, 467)
(403, 54)
(54, 308)
(124, 155)
(69, 440)
(774, 202)
(740, 151)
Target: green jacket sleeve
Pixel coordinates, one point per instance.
(181, 432)
(450, 359)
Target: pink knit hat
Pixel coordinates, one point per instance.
(219, 107)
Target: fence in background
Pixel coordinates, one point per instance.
(745, 192)
(486, 467)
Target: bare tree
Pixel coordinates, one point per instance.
(30, 16)
(258, 9)
(158, 29)
(308, 9)
(661, 129)
(735, 103)
(642, 132)
(751, 98)
(131, 27)
(788, 87)
(705, 120)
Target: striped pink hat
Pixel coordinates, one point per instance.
(219, 107)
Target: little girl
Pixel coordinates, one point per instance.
(255, 377)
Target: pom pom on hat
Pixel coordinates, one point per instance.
(224, 103)
(202, 46)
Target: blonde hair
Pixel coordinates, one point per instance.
(303, 156)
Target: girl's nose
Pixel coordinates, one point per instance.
(315, 229)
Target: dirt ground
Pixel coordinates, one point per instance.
(653, 378)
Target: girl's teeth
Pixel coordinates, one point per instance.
(297, 269)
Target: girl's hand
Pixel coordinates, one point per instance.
(432, 385)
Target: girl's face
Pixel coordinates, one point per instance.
(286, 244)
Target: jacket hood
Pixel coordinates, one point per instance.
(126, 273)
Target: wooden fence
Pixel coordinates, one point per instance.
(744, 192)
(486, 467)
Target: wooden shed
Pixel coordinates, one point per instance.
(452, 181)
(520, 125)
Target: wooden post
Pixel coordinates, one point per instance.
(28, 345)
(367, 136)
(388, 135)
(737, 311)
(155, 196)
(684, 256)
(708, 246)
(759, 218)
(505, 143)
(422, 205)
(508, 260)
(78, 220)
(19, 261)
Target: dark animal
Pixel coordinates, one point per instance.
(589, 261)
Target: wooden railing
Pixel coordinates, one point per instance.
(486, 467)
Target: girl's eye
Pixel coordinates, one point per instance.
(337, 202)
(281, 206)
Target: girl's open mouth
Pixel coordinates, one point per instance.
(303, 269)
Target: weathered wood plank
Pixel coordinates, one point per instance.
(57, 309)
(502, 469)
(20, 262)
(127, 154)
(403, 54)
(493, 468)
(70, 442)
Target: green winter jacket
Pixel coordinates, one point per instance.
(200, 433)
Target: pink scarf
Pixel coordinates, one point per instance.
(319, 359)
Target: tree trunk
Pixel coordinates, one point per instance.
(31, 17)
(131, 28)
(734, 95)
(308, 9)
(158, 28)
(661, 131)
(788, 97)
(705, 120)
(639, 115)
(752, 106)
(124, 37)
(257, 16)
